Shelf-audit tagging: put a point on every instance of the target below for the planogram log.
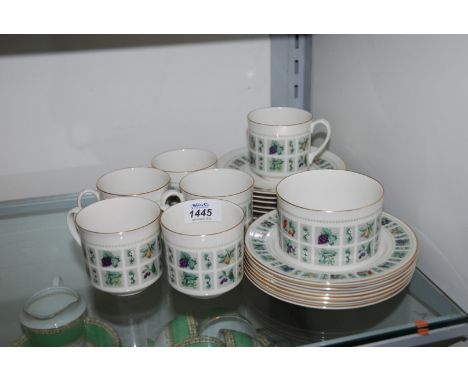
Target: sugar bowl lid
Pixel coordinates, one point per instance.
(52, 307)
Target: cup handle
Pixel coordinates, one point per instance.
(71, 224)
(87, 191)
(168, 194)
(312, 156)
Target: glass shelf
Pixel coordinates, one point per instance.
(35, 245)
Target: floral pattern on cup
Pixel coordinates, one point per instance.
(187, 260)
(327, 236)
(205, 270)
(348, 244)
(137, 264)
(276, 147)
(258, 247)
(326, 256)
(241, 161)
(276, 164)
(189, 280)
(284, 156)
(110, 259)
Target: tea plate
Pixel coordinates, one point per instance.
(267, 202)
(239, 160)
(328, 303)
(264, 209)
(328, 286)
(316, 290)
(397, 249)
(98, 333)
(325, 297)
(329, 294)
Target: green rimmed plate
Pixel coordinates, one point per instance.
(98, 333)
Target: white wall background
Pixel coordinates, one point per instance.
(398, 110)
(67, 117)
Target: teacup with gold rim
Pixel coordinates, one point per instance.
(121, 242)
(204, 246)
(329, 218)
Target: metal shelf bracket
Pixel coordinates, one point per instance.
(291, 70)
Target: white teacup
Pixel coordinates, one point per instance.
(221, 183)
(278, 139)
(145, 182)
(121, 243)
(329, 218)
(204, 258)
(180, 162)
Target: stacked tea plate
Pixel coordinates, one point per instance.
(264, 192)
(329, 245)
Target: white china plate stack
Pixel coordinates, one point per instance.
(372, 281)
(264, 193)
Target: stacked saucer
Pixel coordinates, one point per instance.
(264, 193)
(371, 281)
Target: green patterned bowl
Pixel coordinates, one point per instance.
(98, 333)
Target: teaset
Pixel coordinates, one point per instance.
(284, 212)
